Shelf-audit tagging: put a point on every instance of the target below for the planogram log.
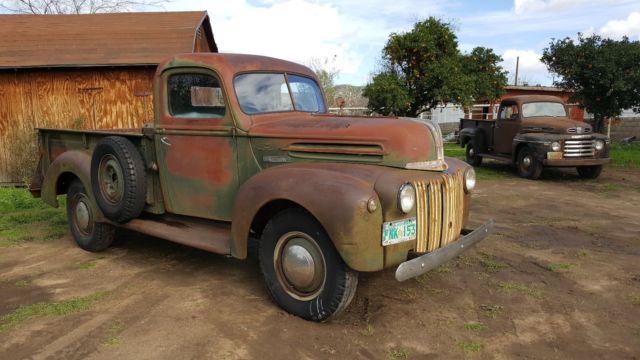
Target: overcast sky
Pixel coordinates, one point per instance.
(354, 31)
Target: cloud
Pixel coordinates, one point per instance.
(539, 6)
(530, 67)
(629, 27)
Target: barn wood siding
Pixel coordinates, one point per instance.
(71, 98)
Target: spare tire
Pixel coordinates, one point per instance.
(118, 179)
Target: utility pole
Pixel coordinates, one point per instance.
(517, 66)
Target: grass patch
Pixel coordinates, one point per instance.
(625, 155)
(490, 264)
(635, 299)
(26, 312)
(113, 335)
(21, 283)
(557, 267)
(470, 347)
(511, 287)
(454, 151)
(398, 354)
(24, 218)
(368, 331)
(87, 264)
(475, 326)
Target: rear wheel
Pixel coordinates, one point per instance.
(88, 234)
(529, 166)
(303, 272)
(472, 156)
(589, 172)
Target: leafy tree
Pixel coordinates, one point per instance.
(603, 73)
(423, 68)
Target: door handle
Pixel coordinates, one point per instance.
(165, 141)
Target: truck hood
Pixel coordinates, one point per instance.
(555, 125)
(396, 142)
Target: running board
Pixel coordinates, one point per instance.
(203, 234)
(505, 159)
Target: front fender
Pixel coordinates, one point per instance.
(77, 163)
(337, 199)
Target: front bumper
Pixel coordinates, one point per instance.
(432, 260)
(574, 162)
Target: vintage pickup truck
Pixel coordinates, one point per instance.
(533, 132)
(242, 147)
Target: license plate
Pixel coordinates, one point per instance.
(554, 155)
(398, 231)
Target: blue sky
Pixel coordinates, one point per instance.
(351, 33)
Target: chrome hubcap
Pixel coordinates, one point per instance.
(526, 161)
(82, 216)
(471, 152)
(300, 265)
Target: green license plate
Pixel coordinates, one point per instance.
(398, 231)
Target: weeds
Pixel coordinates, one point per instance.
(510, 287)
(368, 331)
(491, 311)
(26, 312)
(624, 155)
(398, 354)
(87, 264)
(557, 267)
(113, 335)
(21, 283)
(470, 347)
(635, 299)
(475, 326)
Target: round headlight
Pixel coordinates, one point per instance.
(406, 198)
(555, 146)
(469, 180)
(599, 145)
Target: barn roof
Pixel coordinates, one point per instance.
(115, 39)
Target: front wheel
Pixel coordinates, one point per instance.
(303, 272)
(589, 172)
(529, 166)
(472, 156)
(88, 234)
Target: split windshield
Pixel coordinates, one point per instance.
(537, 109)
(268, 92)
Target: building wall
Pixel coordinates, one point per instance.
(90, 98)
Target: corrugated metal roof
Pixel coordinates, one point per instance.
(112, 39)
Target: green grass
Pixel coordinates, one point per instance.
(398, 354)
(87, 264)
(635, 299)
(625, 155)
(368, 331)
(113, 335)
(21, 283)
(26, 312)
(557, 267)
(487, 171)
(510, 287)
(470, 347)
(455, 151)
(24, 218)
(475, 326)
(491, 311)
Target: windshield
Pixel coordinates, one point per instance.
(263, 93)
(536, 109)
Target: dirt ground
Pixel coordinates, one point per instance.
(559, 278)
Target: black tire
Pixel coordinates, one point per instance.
(589, 172)
(529, 166)
(88, 234)
(319, 296)
(118, 179)
(472, 157)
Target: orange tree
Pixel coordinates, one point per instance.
(602, 73)
(423, 68)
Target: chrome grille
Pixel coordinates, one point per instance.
(579, 130)
(579, 148)
(440, 207)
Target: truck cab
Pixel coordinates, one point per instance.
(534, 132)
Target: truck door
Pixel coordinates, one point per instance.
(195, 144)
(507, 126)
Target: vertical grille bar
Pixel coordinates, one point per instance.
(440, 210)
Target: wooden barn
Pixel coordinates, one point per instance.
(85, 71)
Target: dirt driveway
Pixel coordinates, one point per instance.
(559, 278)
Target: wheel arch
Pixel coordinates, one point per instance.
(344, 216)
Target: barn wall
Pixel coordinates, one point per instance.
(92, 98)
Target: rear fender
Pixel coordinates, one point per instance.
(337, 200)
(70, 164)
(472, 134)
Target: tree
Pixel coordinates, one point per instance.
(327, 73)
(423, 68)
(602, 73)
(43, 7)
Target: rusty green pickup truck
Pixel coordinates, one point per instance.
(242, 147)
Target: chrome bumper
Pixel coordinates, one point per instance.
(432, 260)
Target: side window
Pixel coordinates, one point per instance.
(195, 96)
(508, 112)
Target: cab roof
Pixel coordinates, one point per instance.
(522, 99)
